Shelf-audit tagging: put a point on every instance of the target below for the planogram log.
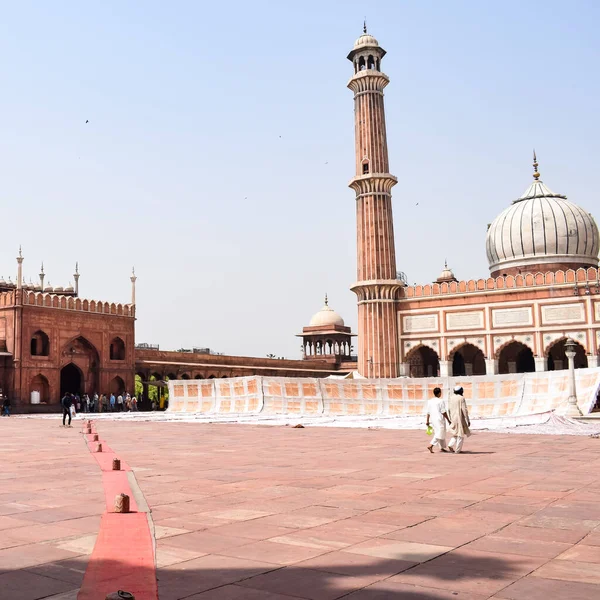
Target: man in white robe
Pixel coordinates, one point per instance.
(460, 422)
(437, 417)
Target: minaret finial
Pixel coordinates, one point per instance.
(20, 253)
(77, 267)
(445, 263)
(326, 300)
(42, 270)
(365, 25)
(536, 173)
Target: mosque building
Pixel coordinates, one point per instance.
(543, 287)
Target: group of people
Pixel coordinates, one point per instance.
(455, 413)
(73, 403)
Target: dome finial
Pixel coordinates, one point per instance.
(536, 174)
(326, 300)
(365, 25)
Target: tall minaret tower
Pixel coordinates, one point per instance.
(376, 286)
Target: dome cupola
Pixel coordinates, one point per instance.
(541, 231)
(326, 316)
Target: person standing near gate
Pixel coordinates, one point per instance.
(67, 402)
(460, 422)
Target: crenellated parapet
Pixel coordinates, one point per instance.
(585, 278)
(65, 302)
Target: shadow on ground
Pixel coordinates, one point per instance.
(218, 577)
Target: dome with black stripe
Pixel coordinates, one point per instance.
(541, 231)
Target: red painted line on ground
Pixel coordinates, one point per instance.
(122, 559)
(123, 556)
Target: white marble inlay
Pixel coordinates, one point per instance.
(507, 317)
(563, 313)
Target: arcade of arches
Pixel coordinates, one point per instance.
(514, 357)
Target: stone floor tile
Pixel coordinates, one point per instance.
(204, 542)
(30, 555)
(347, 563)
(505, 545)
(24, 585)
(390, 590)
(274, 552)
(582, 553)
(537, 588)
(309, 584)
(236, 592)
(398, 550)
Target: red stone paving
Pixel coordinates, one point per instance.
(275, 513)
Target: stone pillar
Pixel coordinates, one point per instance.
(593, 361)
(491, 366)
(404, 370)
(512, 366)
(469, 368)
(445, 368)
(541, 363)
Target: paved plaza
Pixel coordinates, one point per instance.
(275, 513)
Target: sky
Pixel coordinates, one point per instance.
(220, 143)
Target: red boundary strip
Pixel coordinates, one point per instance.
(123, 556)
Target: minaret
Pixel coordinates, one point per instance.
(376, 287)
(20, 269)
(42, 275)
(133, 280)
(76, 277)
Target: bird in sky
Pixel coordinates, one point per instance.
(87, 121)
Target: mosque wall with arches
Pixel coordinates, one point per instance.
(54, 349)
(511, 324)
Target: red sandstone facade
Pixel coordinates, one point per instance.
(53, 343)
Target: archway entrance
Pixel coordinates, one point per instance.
(423, 362)
(117, 386)
(557, 359)
(40, 384)
(468, 360)
(80, 353)
(516, 358)
(70, 380)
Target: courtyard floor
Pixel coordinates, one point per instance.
(275, 513)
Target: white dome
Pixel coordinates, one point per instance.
(326, 316)
(540, 228)
(365, 40)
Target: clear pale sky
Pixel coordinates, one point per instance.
(220, 144)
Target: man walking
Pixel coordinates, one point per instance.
(460, 422)
(6, 407)
(67, 402)
(437, 417)
(112, 402)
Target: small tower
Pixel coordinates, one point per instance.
(133, 279)
(20, 270)
(42, 276)
(447, 275)
(377, 287)
(76, 278)
(326, 337)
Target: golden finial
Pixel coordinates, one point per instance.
(536, 174)
(365, 25)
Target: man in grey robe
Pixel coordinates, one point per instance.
(460, 422)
